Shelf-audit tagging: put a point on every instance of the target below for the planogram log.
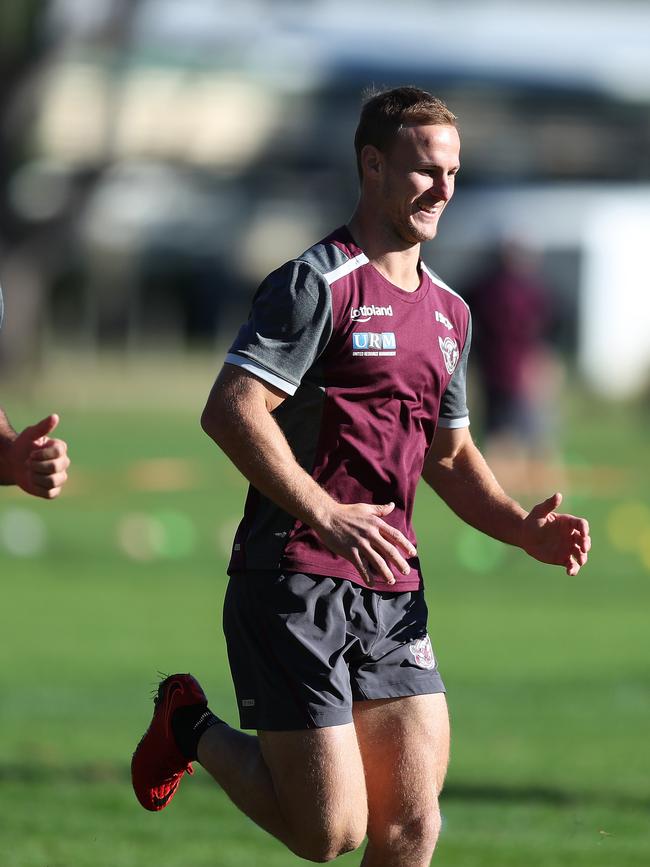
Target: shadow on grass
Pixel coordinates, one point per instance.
(106, 772)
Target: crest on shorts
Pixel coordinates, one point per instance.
(449, 349)
(423, 653)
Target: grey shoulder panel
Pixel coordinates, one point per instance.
(290, 322)
(324, 257)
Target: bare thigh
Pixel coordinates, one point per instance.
(318, 778)
(404, 744)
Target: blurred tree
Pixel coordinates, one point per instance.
(21, 47)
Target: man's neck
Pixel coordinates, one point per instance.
(395, 260)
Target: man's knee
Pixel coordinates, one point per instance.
(427, 830)
(421, 833)
(415, 836)
(327, 843)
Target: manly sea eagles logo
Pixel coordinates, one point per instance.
(449, 349)
(423, 653)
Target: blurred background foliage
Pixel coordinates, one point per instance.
(158, 159)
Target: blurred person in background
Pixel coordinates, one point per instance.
(518, 369)
(353, 355)
(32, 459)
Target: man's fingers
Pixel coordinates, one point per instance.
(49, 467)
(579, 555)
(47, 487)
(544, 509)
(46, 493)
(49, 450)
(582, 538)
(582, 527)
(580, 535)
(391, 554)
(576, 559)
(365, 574)
(383, 510)
(379, 567)
(363, 569)
(572, 568)
(48, 482)
(376, 549)
(370, 566)
(575, 563)
(42, 428)
(398, 539)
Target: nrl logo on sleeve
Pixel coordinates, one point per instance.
(449, 349)
(423, 653)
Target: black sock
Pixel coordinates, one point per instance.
(188, 725)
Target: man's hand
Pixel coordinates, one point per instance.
(239, 418)
(37, 462)
(562, 540)
(358, 533)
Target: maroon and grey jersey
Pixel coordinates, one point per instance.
(369, 371)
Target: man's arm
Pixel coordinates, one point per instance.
(459, 474)
(238, 418)
(7, 439)
(31, 459)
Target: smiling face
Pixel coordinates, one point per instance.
(414, 180)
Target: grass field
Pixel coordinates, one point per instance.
(548, 676)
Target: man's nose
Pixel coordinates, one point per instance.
(443, 188)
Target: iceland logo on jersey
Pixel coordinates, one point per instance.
(449, 349)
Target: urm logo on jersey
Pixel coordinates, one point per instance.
(373, 343)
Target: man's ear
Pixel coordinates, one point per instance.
(372, 162)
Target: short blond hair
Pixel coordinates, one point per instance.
(385, 112)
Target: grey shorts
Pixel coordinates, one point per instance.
(303, 648)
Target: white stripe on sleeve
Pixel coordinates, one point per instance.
(346, 268)
(261, 372)
(453, 423)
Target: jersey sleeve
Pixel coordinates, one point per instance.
(453, 406)
(288, 327)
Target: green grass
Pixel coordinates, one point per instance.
(97, 824)
(548, 676)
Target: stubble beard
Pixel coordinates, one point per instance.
(404, 226)
(408, 231)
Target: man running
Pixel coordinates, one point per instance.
(346, 385)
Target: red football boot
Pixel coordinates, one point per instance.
(158, 766)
